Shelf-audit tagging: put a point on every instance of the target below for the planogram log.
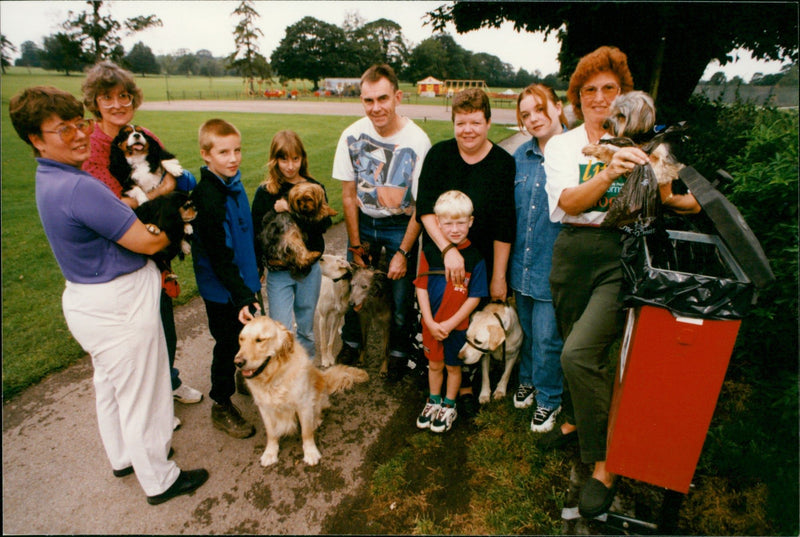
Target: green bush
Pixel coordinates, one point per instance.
(749, 465)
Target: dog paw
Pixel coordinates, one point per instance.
(186, 248)
(188, 229)
(173, 167)
(152, 228)
(268, 459)
(483, 398)
(498, 394)
(311, 456)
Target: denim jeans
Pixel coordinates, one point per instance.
(540, 357)
(387, 233)
(294, 301)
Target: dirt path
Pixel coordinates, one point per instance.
(56, 478)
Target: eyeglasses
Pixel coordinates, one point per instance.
(609, 91)
(107, 101)
(68, 131)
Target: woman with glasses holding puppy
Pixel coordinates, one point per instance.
(111, 94)
(586, 276)
(110, 301)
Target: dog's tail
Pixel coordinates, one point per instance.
(343, 377)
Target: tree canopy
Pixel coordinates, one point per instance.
(668, 45)
(246, 58)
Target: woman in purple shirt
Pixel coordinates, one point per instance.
(111, 299)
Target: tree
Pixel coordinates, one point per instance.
(718, 79)
(668, 45)
(6, 47)
(387, 36)
(312, 49)
(246, 59)
(492, 69)
(30, 55)
(142, 60)
(63, 52)
(429, 58)
(99, 34)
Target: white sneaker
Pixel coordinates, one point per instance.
(428, 414)
(186, 394)
(444, 420)
(524, 396)
(176, 423)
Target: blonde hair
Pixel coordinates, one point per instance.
(284, 144)
(453, 204)
(215, 127)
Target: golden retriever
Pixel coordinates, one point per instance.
(493, 332)
(286, 386)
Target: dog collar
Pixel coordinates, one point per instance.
(505, 336)
(260, 368)
(345, 276)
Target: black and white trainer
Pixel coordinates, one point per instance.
(444, 419)
(544, 419)
(524, 396)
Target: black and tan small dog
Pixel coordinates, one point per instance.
(170, 214)
(282, 236)
(139, 163)
(631, 119)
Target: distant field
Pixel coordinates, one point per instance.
(36, 340)
(155, 87)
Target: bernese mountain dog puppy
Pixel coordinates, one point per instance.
(139, 162)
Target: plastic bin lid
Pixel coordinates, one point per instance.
(731, 226)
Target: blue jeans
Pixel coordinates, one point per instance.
(387, 233)
(294, 301)
(540, 357)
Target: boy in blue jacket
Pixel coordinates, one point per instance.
(224, 263)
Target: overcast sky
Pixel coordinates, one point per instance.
(196, 25)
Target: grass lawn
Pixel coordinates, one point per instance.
(36, 340)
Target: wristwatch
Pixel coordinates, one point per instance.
(405, 254)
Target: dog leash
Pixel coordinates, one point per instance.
(505, 334)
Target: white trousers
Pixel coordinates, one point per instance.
(118, 323)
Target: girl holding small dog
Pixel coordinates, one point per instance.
(292, 300)
(586, 277)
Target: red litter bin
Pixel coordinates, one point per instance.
(679, 336)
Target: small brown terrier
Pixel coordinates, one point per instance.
(282, 236)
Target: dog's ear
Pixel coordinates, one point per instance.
(286, 343)
(118, 165)
(327, 210)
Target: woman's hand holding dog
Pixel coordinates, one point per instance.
(625, 160)
(281, 206)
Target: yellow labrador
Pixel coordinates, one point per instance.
(286, 386)
(494, 331)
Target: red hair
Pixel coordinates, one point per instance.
(609, 59)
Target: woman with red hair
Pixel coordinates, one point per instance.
(586, 277)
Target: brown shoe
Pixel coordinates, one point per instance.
(228, 419)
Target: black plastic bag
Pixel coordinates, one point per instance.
(688, 278)
(638, 202)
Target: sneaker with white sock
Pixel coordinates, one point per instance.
(428, 414)
(444, 419)
(186, 394)
(544, 419)
(524, 396)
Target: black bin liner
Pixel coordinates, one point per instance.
(690, 274)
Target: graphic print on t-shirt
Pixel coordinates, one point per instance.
(590, 170)
(384, 174)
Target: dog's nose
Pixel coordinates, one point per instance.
(238, 362)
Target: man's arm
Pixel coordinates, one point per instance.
(398, 265)
(350, 205)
